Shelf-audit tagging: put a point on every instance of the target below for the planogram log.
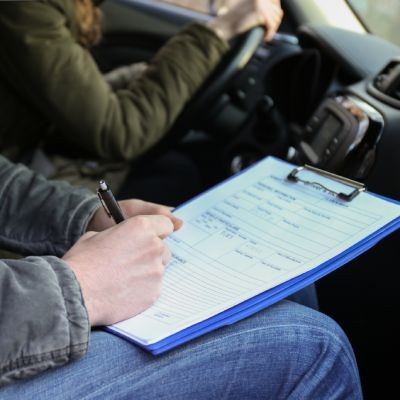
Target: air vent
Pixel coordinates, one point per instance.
(388, 81)
(386, 85)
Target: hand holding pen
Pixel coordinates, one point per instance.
(104, 218)
(135, 248)
(109, 203)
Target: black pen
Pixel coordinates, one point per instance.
(109, 203)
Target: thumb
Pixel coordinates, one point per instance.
(88, 235)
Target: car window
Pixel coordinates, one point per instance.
(381, 18)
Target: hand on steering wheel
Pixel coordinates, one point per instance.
(243, 15)
(248, 23)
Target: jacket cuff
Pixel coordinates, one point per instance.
(43, 299)
(77, 315)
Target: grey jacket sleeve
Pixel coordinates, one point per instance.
(43, 320)
(39, 217)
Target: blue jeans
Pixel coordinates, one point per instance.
(287, 351)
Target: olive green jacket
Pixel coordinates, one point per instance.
(52, 91)
(43, 319)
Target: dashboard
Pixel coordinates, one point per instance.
(331, 96)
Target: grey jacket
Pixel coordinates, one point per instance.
(43, 319)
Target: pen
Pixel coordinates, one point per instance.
(109, 203)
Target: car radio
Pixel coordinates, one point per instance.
(340, 137)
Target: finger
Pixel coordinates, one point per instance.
(177, 222)
(166, 256)
(272, 24)
(269, 35)
(154, 208)
(88, 235)
(272, 11)
(160, 225)
(134, 207)
(157, 209)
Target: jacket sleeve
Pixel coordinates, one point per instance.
(43, 320)
(61, 79)
(39, 216)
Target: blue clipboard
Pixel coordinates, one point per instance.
(279, 292)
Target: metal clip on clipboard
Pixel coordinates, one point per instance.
(358, 187)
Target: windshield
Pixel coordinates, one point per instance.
(382, 18)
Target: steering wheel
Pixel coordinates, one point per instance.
(242, 49)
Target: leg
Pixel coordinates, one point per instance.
(286, 351)
(307, 296)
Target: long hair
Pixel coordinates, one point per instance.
(88, 17)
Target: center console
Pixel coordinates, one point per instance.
(341, 136)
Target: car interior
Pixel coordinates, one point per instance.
(318, 93)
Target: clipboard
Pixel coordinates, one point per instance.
(357, 187)
(273, 179)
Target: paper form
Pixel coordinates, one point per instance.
(248, 235)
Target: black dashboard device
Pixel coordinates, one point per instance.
(341, 136)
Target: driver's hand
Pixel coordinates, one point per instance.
(242, 15)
